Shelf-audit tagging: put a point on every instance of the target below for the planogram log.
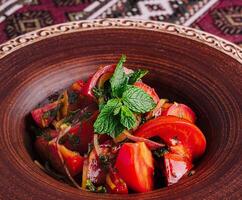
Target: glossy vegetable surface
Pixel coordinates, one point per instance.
(114, 134)
(173, 130)
(135, 165)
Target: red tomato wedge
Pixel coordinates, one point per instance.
(149, 90)
(73, 160)
(42, 142)
(115, 184)
(181, 150)
(43, 116)
(175, 167)
(182, 111)
(135, 166)
(81, 134)
(170, 129)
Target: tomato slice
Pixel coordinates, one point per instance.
(182, 111)
(181, 150)
(45, 115)
(73, 160)
(42, 141)
(135, 166)
(175, 167)
(173, 130)
(81, 134)
(149, 90)
(115, 184)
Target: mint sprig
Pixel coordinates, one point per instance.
(119, 78)
(106, 121)
(137, 100)
(119, 112)
(137, 75)
(127, 118)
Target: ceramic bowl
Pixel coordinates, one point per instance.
(185, 65)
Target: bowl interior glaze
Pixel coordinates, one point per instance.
(181, 69)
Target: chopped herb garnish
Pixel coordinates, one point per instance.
(101, 189)
(45, 133)
(47, 136)
(158, 153)
(91, 187)
(118, 113)
(75, 117)
(46, 115)
(85, 115)
(74, 139)
(71, 116)
(105, 161)
(98, 92)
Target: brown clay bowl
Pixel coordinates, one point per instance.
(185, 65)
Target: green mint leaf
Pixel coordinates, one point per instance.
(137, 75)
(118, 130)
(107, 91)
(137, 100)
(119, 78)
(101, 106)
(90, 186)
(106, 121)
(116, 110)
(101, 189)
(127, 117)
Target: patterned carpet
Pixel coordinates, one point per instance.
(220, 17)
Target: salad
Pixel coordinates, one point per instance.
(114, 134)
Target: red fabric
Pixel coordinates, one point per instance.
(224, 19)
(207, 22)
(58, 14)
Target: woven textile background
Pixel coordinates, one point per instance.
(220, 17)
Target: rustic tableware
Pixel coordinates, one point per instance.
(190, 66)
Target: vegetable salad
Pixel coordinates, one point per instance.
(114, 134)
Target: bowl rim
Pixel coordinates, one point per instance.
(208, 39)
(190, 34)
